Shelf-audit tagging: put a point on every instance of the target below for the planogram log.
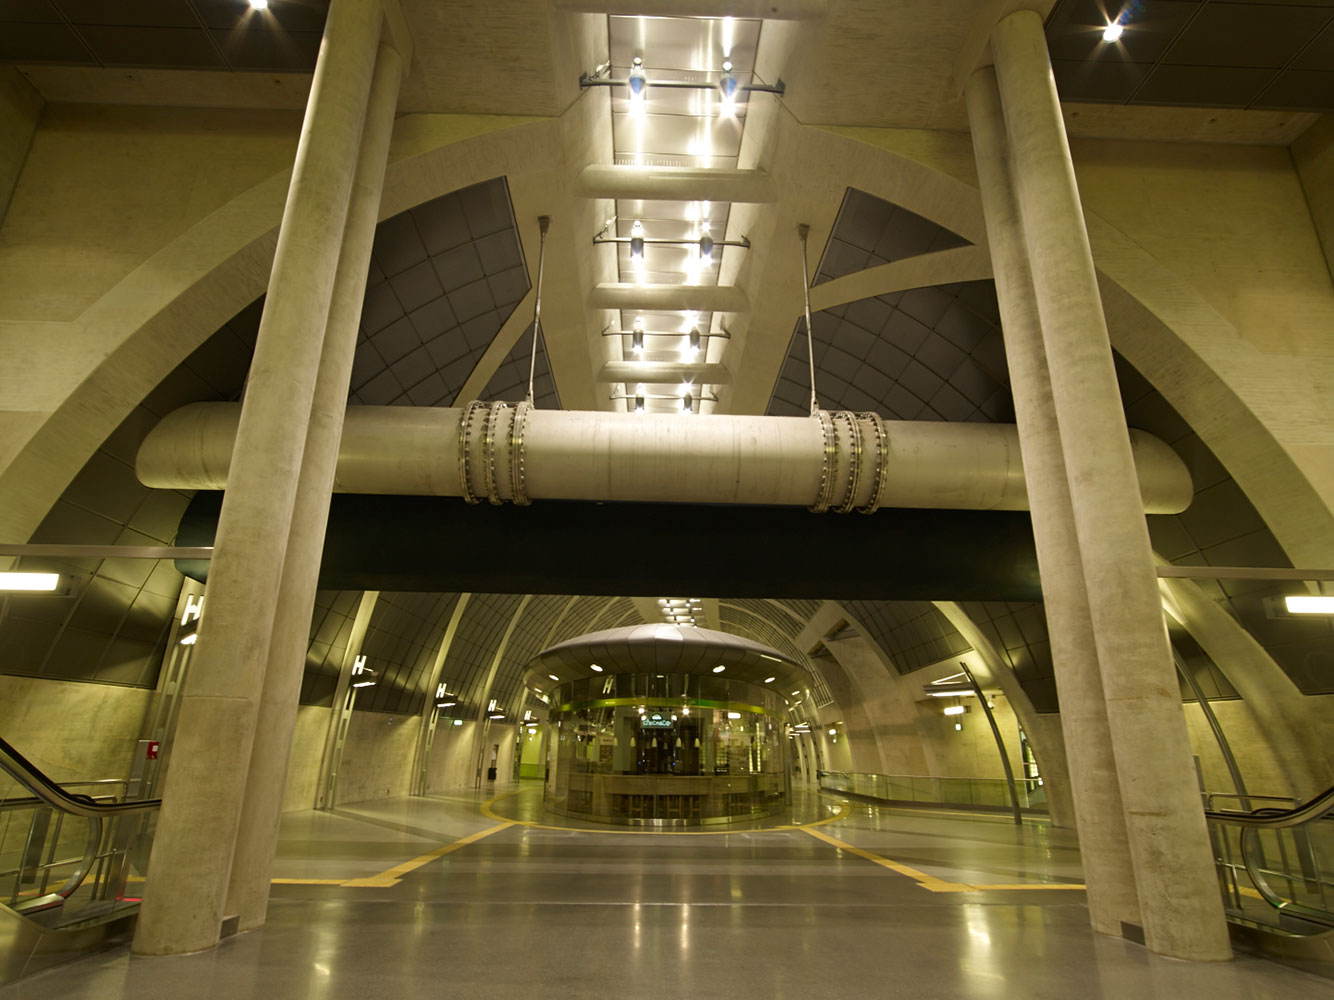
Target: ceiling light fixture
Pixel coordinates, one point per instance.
(719, 669)
(1113, 31)
(637, 81)
(770, 680)
(706, 249)
(259, 4)
(1309, 604)
(727, 83)
(30, 583)
(595, 668)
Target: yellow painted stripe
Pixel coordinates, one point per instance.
(930, 882)
(306, 881)
(926, 881)
(391, 876)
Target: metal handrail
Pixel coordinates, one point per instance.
(1272, 818)
(26, 774)
(47, 793)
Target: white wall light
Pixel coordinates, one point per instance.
(954, 710)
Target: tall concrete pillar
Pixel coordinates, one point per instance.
(1099, 817)
(192, 851)
(1174, 872)
(248, 894)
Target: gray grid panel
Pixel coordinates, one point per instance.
(1212, 683)
(525, 643)
(578, 619)
(330, 629)
(444, 277)
(870, 231)
(932, 353)
(480, 630)
(510, 381)
(611, 613)
(913, 634)
(402, 641)
(803, 611)
(113, 627)
(752, 619)
(1019, 633)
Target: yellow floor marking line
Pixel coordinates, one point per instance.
(930, 882)
(307, 881)
(844, 808)
(391, 876)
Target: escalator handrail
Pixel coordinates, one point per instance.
(27, 774)
(1272, 817)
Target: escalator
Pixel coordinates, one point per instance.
(72, 863)
(1276, 872)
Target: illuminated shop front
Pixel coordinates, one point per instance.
(667, 725)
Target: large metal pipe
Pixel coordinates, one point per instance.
(841, 461)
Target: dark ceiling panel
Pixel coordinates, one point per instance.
(154, 13)
(32, 42)
(1202, 53)
(1245, 34)
(256, 48)
(1203, 86)
(174, 34)
(1109, 82)
(187, 48)
(1074, 30)
(870, 231)
(1304, 90)
(27, 10)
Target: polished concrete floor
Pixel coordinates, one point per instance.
(454, 896)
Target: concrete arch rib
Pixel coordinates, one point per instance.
(150, 320)
(1250, 407)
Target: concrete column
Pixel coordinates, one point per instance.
(196, 833)
(1100, 819)
(248, 895)
(1174, 871)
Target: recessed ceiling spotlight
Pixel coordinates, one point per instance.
(719, 669)
(1113, 31)
(259, 4)
(769, 680)
(595, 668)
(553, 677)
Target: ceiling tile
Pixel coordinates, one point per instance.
(1298, 90)
(1246, 34)
(186, 48)
(41, 43)
(1203, 86)
(416, 286)
(159, 13)
(260, 48)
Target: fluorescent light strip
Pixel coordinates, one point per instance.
(1310, 604)
(32, 583)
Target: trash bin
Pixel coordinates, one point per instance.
(490, 774)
